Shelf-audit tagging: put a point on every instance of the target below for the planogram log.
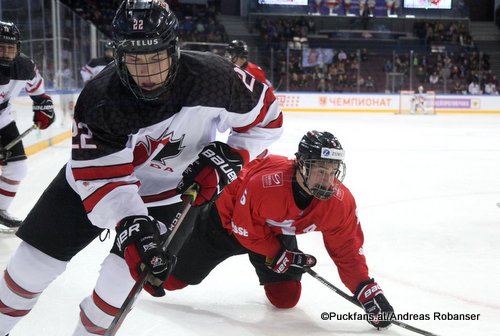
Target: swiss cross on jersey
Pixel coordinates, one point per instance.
(171, 148)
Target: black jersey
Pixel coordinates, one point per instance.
(128, 152)
(22, 74)
(92, 68)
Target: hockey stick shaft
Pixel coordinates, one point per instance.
(20, 137)
(188, 198)
(354, 301)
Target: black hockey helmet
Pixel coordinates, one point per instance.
(10, 34)
(110, 45)
(146, 27)
(236, 48)
(109, 50)
(324, 151)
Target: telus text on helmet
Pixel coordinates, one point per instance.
(144, 43)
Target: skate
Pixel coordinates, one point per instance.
(8, 224)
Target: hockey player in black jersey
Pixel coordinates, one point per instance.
(95, 65)
(143, 130)
(17, 71)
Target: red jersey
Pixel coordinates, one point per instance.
(259, 205)
(257, 72)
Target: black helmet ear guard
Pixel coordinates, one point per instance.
(145, 27)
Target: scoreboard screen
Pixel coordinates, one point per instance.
(283, 2)
(427, 4)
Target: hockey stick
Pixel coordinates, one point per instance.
(354, 301)
(16, 140)
(20, 137)
(188, 198)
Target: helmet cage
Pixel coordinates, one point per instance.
(322, 177)
(131, 83)
(320, 162)
(146, 27)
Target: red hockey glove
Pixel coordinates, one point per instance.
(374, 303)
(287, 261)
(217, 166)
(139, 238)
(44, 111)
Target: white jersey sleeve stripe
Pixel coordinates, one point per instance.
(94, 198)
(102, 172)
(119, 203)
(265, 130)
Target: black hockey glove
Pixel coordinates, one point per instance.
(139, 238)
(217, 166)
(292, 262)
(44, 111)
(374, 303)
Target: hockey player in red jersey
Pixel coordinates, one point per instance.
(274, 199)
(143, 132)
(237, 53)
(17, 71)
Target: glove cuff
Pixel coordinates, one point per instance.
(40, 98)
(363, 284)
(367, 290)
(128, 227)
(226, 160)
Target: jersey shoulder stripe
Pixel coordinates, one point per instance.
(211, 80)
(99, 61)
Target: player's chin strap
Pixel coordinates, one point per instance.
(354, 301)
(188, 198)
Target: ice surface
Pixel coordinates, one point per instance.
(426, 189)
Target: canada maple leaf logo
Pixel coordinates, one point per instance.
(171, 148)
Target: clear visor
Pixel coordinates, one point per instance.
(323, 177)
(149, 71)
